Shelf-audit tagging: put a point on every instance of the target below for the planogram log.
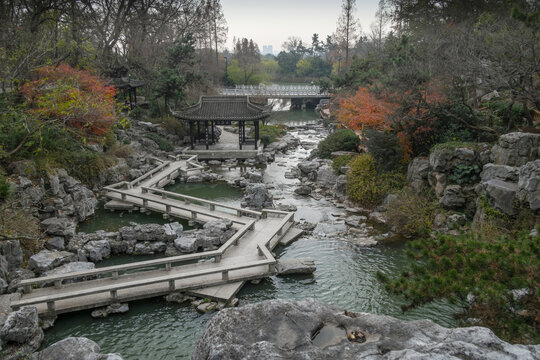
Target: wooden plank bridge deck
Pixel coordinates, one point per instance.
(218, 274)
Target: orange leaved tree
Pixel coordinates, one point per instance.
(75, 98)
(365, 111)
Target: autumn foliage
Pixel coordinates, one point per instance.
(75, 97)
(364, 111)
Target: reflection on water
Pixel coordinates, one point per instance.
(345, 275)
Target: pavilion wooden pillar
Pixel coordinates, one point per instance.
(198, 137)
(206, 133)
(213, 133)
(240, 140)
(191, 135)
(256, 127)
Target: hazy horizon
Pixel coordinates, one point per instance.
(272, 22)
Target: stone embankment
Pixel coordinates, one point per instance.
(22, 336)
(464, 178)
(309, 329)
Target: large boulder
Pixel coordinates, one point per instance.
(516, 149)
(529, 184)
(97, 250)
(453, 197)
(47, 260)
(71, 267)
(417, 173)
(21, 334)
(186, 244)
(295, 266)
(307, 167)
(12, 251)
(257, 197)
(59, 226)
(501, 172)
(147, 232)
(502, 195)
(214, 233)
(74, 348)
(309, 329)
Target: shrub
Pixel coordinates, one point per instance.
(174, 126)
(162, 143)
(4, 187)
(368, 187)
(269, 133)
(464, 174)
(413, 213)
(340, 140)
(340, 161)
(385, 148)
(488, 268)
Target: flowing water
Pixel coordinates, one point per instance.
(345, 275)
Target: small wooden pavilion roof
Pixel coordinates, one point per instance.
(232, 108)
(126, 82)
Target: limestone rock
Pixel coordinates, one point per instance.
(326, 176)
(303, 190)
(12, 251)
(71, 267)
(214, 233)
(173, 229)
(74, 348)
(295, 266)
(147, 232)
(307, 167)
(284, 329)
(186, 244)
(501, 172)
(453, 197)
(59, 226)
(207, 307)
(257, 197)
(55, 243)
(417, 173)
(21, 334)
(529, 184)
(341, 184)
(502, 195)
(47, 260)
(516, 149)
(97, 250)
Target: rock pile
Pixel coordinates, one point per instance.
(283, 329)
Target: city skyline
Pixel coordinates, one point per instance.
(272, 23)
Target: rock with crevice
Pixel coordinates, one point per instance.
(257, 197)
(47, 260)
(97, 250)
(529, 184)
(74, 348)
(21, 334)
(285, 329)
(516, 149)
(295, 266)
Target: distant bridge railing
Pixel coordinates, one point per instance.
(276, 91)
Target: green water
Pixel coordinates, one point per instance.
(345, 276)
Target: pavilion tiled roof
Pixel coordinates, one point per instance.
(224, 108)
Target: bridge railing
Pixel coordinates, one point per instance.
(274, 90)
(212, 205)
(115, 271)
(166, 207)
(223, 276)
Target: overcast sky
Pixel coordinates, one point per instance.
(271, 22)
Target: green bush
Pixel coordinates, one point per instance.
(340, 140)
(366, 185)
(174, 126)
(464, 174)
(269, 133)
(385, 148)
(413, 213)
(4, 187)
(489, 268)
(162, 143)
(340, 161)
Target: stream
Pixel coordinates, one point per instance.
(345, 275)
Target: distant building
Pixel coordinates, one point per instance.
(267, 49)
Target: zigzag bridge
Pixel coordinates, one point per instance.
(217, 274)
